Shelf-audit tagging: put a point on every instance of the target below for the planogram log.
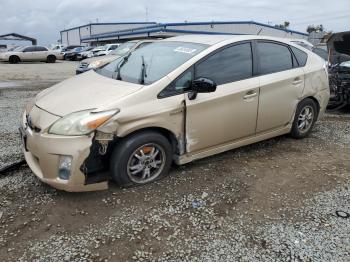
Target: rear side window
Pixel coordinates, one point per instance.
(228, 65)
(274, 58)
(40, 48)
(301, 56)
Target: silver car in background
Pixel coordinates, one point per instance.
(30, 53)
(122, 50)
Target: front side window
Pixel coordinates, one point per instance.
(152, 62)
(274, 57)
(228, 65)
(29, 49)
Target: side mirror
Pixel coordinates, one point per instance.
(203, 85)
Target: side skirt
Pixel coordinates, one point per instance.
(186, 158)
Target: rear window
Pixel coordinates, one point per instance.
(301, 56)
(274, 58)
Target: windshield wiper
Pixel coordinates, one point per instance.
(120, 65)
(143, 71)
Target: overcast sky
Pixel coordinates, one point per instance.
(44, 19)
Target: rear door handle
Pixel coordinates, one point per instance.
(250, 95)
(297, 81)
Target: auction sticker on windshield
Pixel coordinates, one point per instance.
(185, 50)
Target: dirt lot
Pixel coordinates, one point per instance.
(271, 201)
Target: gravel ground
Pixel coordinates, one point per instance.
(271, 201)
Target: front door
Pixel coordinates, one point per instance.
(27, 54)
(229, 113)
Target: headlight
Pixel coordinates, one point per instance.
(96, 64)
(80, 123)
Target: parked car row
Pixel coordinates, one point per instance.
(74, 53)
(99, 60)
(50, 55)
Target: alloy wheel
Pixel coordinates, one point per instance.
(146, 163)
(305, 119)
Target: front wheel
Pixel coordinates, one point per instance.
(305, 118)
(14, 59)
(141, 159)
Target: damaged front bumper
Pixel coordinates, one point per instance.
(44, 153)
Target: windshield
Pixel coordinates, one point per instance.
(152, 62)
(19, 49)
(97, 49)
(123, 49)
(104, 48)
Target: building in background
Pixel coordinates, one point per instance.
(102, 33)
(74, 36)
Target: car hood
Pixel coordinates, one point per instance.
(9, 53)
(106, 59)
(81, 92)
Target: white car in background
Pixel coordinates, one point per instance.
(92, 52)
(107, 49)
(56, 47)
(122, 50)
(30, 53)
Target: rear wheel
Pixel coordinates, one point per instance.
(51, 59)
(141, 159)
(305, 118)
(14, 59)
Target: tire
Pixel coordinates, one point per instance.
(14, 59)
(145, 145)
(51, 59)
(304, 119)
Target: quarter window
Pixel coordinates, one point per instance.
(179, 85)
(228, 65)
(300, 55)
(274, 58)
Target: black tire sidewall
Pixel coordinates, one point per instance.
(295, 131)
(121, 154)
(51, 59)
(14, 59)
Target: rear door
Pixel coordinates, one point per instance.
(230, 112)
(41, 53)
(281, 85)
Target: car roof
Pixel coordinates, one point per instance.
(217, 38)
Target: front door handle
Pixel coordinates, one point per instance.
(250, 95)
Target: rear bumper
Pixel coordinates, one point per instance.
(43, 154)
(323, 99)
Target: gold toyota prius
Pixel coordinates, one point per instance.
(175, 100)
